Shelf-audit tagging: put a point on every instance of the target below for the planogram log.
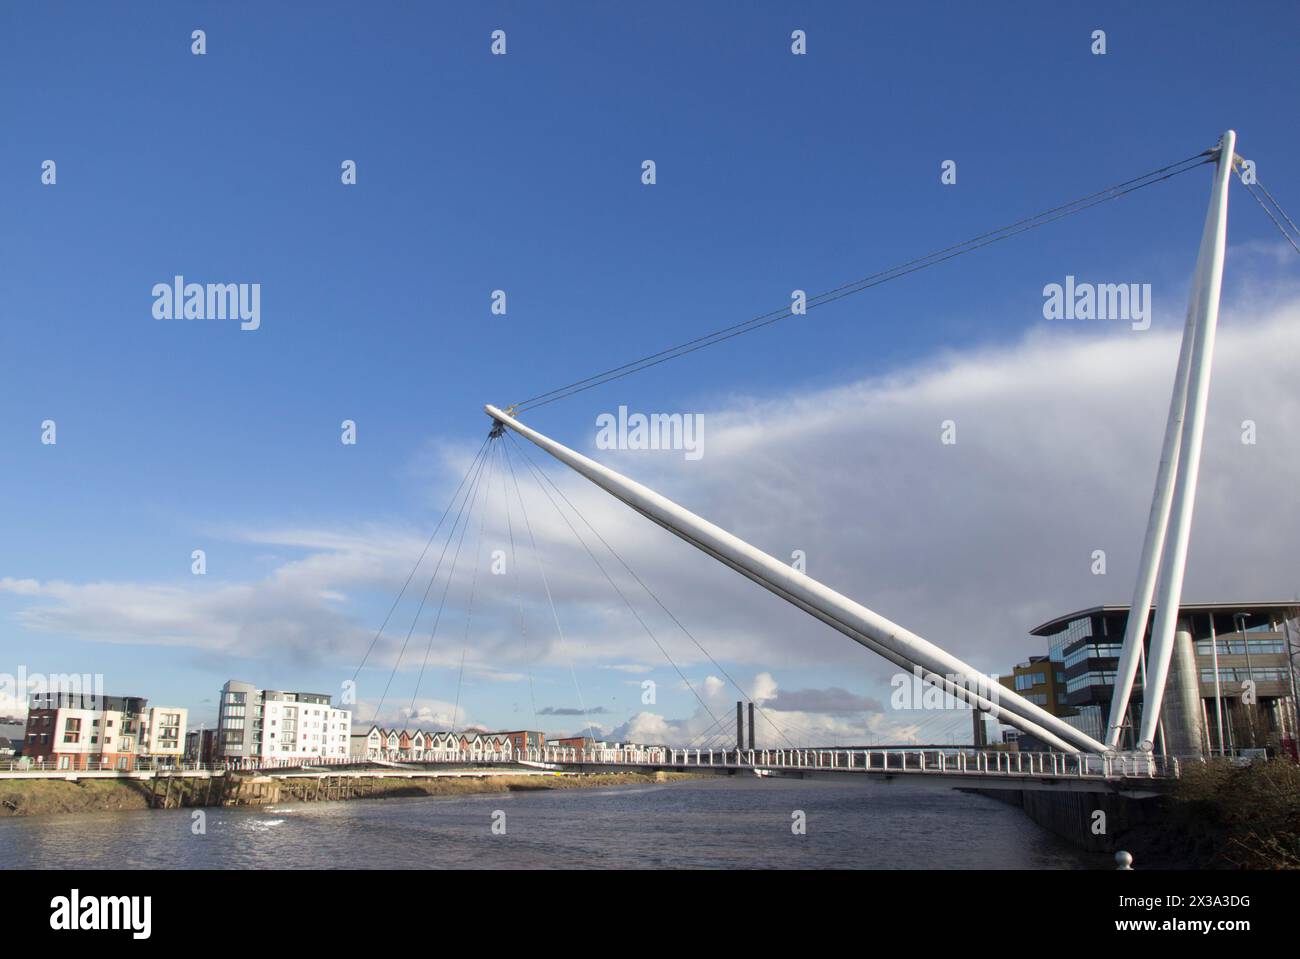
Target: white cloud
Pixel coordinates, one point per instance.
(804, 717)
(969, 545)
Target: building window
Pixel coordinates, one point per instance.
(1260, 674)
(1236, 646)
(1092, 651)
(1097, 678)
(72, 730)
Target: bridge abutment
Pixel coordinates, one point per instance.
(1094, 822)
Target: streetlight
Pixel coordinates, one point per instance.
(1218, 691)
(1291, 649)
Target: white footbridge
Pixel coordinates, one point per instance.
(1079, 758)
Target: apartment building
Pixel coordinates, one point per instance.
(524, 740)
(201, 745)
(270, 725)
(1041, 681)
(84, 730)
(583, 747)
(163, 732)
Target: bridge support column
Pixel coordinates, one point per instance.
(1191, 423)
(980, 733)
(1184, 731)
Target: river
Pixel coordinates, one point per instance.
(722, 823)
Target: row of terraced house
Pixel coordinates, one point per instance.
(417, 745)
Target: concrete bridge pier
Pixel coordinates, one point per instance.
(1183, 718)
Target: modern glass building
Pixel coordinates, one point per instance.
(1243, 672)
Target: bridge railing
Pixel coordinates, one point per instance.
(948, 762)
(108, 766)
(148, 764)
(954, 762)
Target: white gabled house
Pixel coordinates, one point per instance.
(419, 745)
(446, 747)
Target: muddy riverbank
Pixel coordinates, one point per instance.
(44, 797)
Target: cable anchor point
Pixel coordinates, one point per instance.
(498, 427)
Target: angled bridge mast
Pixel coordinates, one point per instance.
(895, 643)
(1164, 551)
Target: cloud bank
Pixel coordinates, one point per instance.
(970, 544)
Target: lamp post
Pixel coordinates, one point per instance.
(1218, 690)
(1290, 670)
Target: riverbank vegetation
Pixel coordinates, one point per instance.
(39, 797)
(1222, 816)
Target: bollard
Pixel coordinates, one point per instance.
(1124, 860)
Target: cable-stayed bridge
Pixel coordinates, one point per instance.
(1078, 760)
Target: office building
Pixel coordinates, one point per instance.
(1231, 687)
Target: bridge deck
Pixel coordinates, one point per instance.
(955, 767)
(950, 767)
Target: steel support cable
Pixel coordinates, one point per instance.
(717, 741)
(1273, 200)
(710, 735)
(708, 731)
(519, 601)
(451, 575)
(471, 493)
(546, 585)
(460, 675)
(473, 588)
(411, 575)
(1269, 213)
(946, 715)
(911, 266)
(632, 609)
(701, 736)
(823, 301)
(649, 592)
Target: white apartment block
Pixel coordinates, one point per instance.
(163, 732)
(268, 725)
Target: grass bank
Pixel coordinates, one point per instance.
(42, 797)
(39, 797)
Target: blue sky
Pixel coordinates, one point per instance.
(522, 173)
